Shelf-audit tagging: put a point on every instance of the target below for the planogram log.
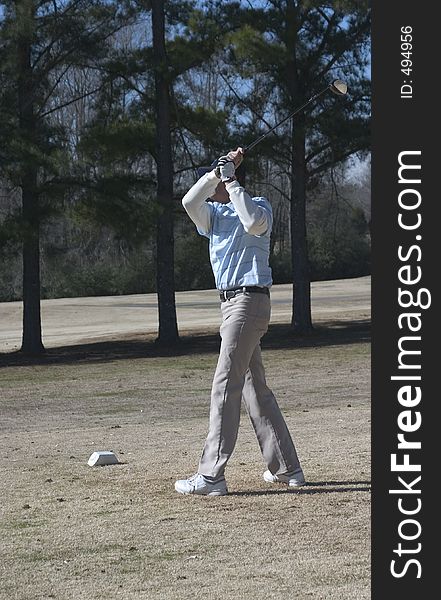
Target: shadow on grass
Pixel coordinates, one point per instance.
(318, 487)
(279, 336)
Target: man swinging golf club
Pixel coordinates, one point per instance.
(238, 227)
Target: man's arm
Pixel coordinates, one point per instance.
(254, 218)
(195, 204)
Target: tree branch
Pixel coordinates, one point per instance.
(62, 57)
(57, 38)
(324, 166)
(51, 90)
(363, 27)
(273, 185)
(60, 106)
(331, 22)
(312, 155)
(242, 101)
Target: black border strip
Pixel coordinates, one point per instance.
(404, 124)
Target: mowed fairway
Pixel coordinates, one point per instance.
(70, 531)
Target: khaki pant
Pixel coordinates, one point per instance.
(240, 374)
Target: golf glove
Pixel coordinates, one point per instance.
(225, 168)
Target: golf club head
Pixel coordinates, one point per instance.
(339, 87)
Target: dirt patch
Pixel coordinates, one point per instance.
(71, 531)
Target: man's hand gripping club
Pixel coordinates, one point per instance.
(226, 165)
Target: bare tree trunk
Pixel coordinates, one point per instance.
(168, 327)
(301, 304)
(31, 340)
(301, 316)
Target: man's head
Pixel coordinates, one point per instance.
(220, 194)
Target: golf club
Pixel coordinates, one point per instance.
(338, 87)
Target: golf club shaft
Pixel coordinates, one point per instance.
(259, 139)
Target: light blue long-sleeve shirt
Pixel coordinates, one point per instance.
(239, 233)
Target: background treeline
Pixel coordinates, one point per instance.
(80, 258)
(108, 107)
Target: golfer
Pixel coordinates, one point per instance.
(239, 229)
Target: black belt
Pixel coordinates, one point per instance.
(227, 294)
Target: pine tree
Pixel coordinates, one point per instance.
(159, 119)
(39, 42)
(168, 325)
(299, 46)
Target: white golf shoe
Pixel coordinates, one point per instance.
(200, 486)
(294, 479)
